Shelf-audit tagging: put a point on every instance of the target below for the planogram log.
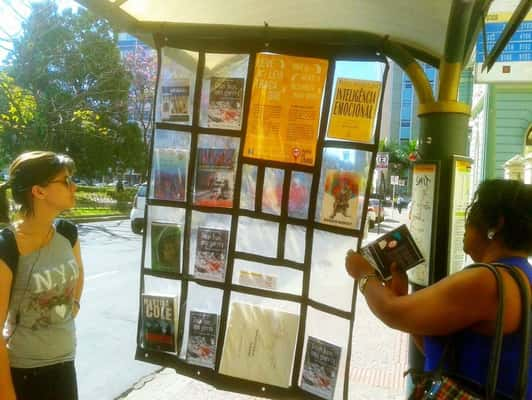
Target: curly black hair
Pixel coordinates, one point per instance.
(505, 205)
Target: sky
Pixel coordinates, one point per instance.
(12, 13)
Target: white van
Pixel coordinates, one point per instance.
(137, 212)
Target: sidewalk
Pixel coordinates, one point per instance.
(378, 359)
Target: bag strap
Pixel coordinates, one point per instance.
(9, 253)
(496, 346)
(524, 330)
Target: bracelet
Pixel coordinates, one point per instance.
(364, 281)
(76, 303)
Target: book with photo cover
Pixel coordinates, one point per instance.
(225, 102)
(169, 174)
(320, 369)
(211, 254)
(397, 246)
(175, 101)
(159, 322)
(215, 177)
(202, 338)
(165, 247)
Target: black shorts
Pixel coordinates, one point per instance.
(53, 382)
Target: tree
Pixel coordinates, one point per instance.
(142, 65)
(71, 65)
(401, 156)
(17, 112)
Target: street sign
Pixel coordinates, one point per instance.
(515, 62)
(382, 160)
(394, 179)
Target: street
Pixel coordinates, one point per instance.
(107, 322)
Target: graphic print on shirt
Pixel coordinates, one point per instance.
(51, 295)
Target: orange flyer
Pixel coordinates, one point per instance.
(353, 110)
(284, 113)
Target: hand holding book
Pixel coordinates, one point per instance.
(396, 247)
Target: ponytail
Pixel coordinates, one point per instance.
(4, 203)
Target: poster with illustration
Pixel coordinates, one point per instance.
(340, 198)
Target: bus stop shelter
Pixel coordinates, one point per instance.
(441, 33)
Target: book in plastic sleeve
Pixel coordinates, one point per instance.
(211, 254)
(159, 322)
(202, 338)
(320, 369)
(165, 247)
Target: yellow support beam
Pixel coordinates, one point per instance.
(449, 80)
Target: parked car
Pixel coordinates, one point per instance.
(375, 212)
(137, 211)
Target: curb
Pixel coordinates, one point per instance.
(80, 220)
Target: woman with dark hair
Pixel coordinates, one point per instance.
(41, 280)
(464, 304)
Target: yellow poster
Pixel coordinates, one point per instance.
(353, 110)
(284, 113)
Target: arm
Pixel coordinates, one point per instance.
(451, 304)
(78, 290)
(7, 391)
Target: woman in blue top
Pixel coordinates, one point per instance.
(498, 229)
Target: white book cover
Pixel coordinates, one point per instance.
(260, 344)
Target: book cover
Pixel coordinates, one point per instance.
(175, 101)
(299, 198)
(320, 368)
(225, 102)
(260, 344)
(340, 198)
(165, 247)
(170, 174)
(159, 322)
(202, 338)
(211, 254)
(397, 246)
(215, 178)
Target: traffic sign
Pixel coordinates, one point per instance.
(382, 160)
(394, 179)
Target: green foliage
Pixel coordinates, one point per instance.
(17, 111)
(74, 89)
(399, 153)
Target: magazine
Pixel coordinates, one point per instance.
(395, 246)
(225, 103)
(175, 101)
(202, 338)
(211, 254)
(215, 178)
(159, 322)
(170, 174)
(340, 198)
(320, 369)
(165, 247)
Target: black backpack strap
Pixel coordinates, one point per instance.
(8, 249)
(9, 253)
(67, 229)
